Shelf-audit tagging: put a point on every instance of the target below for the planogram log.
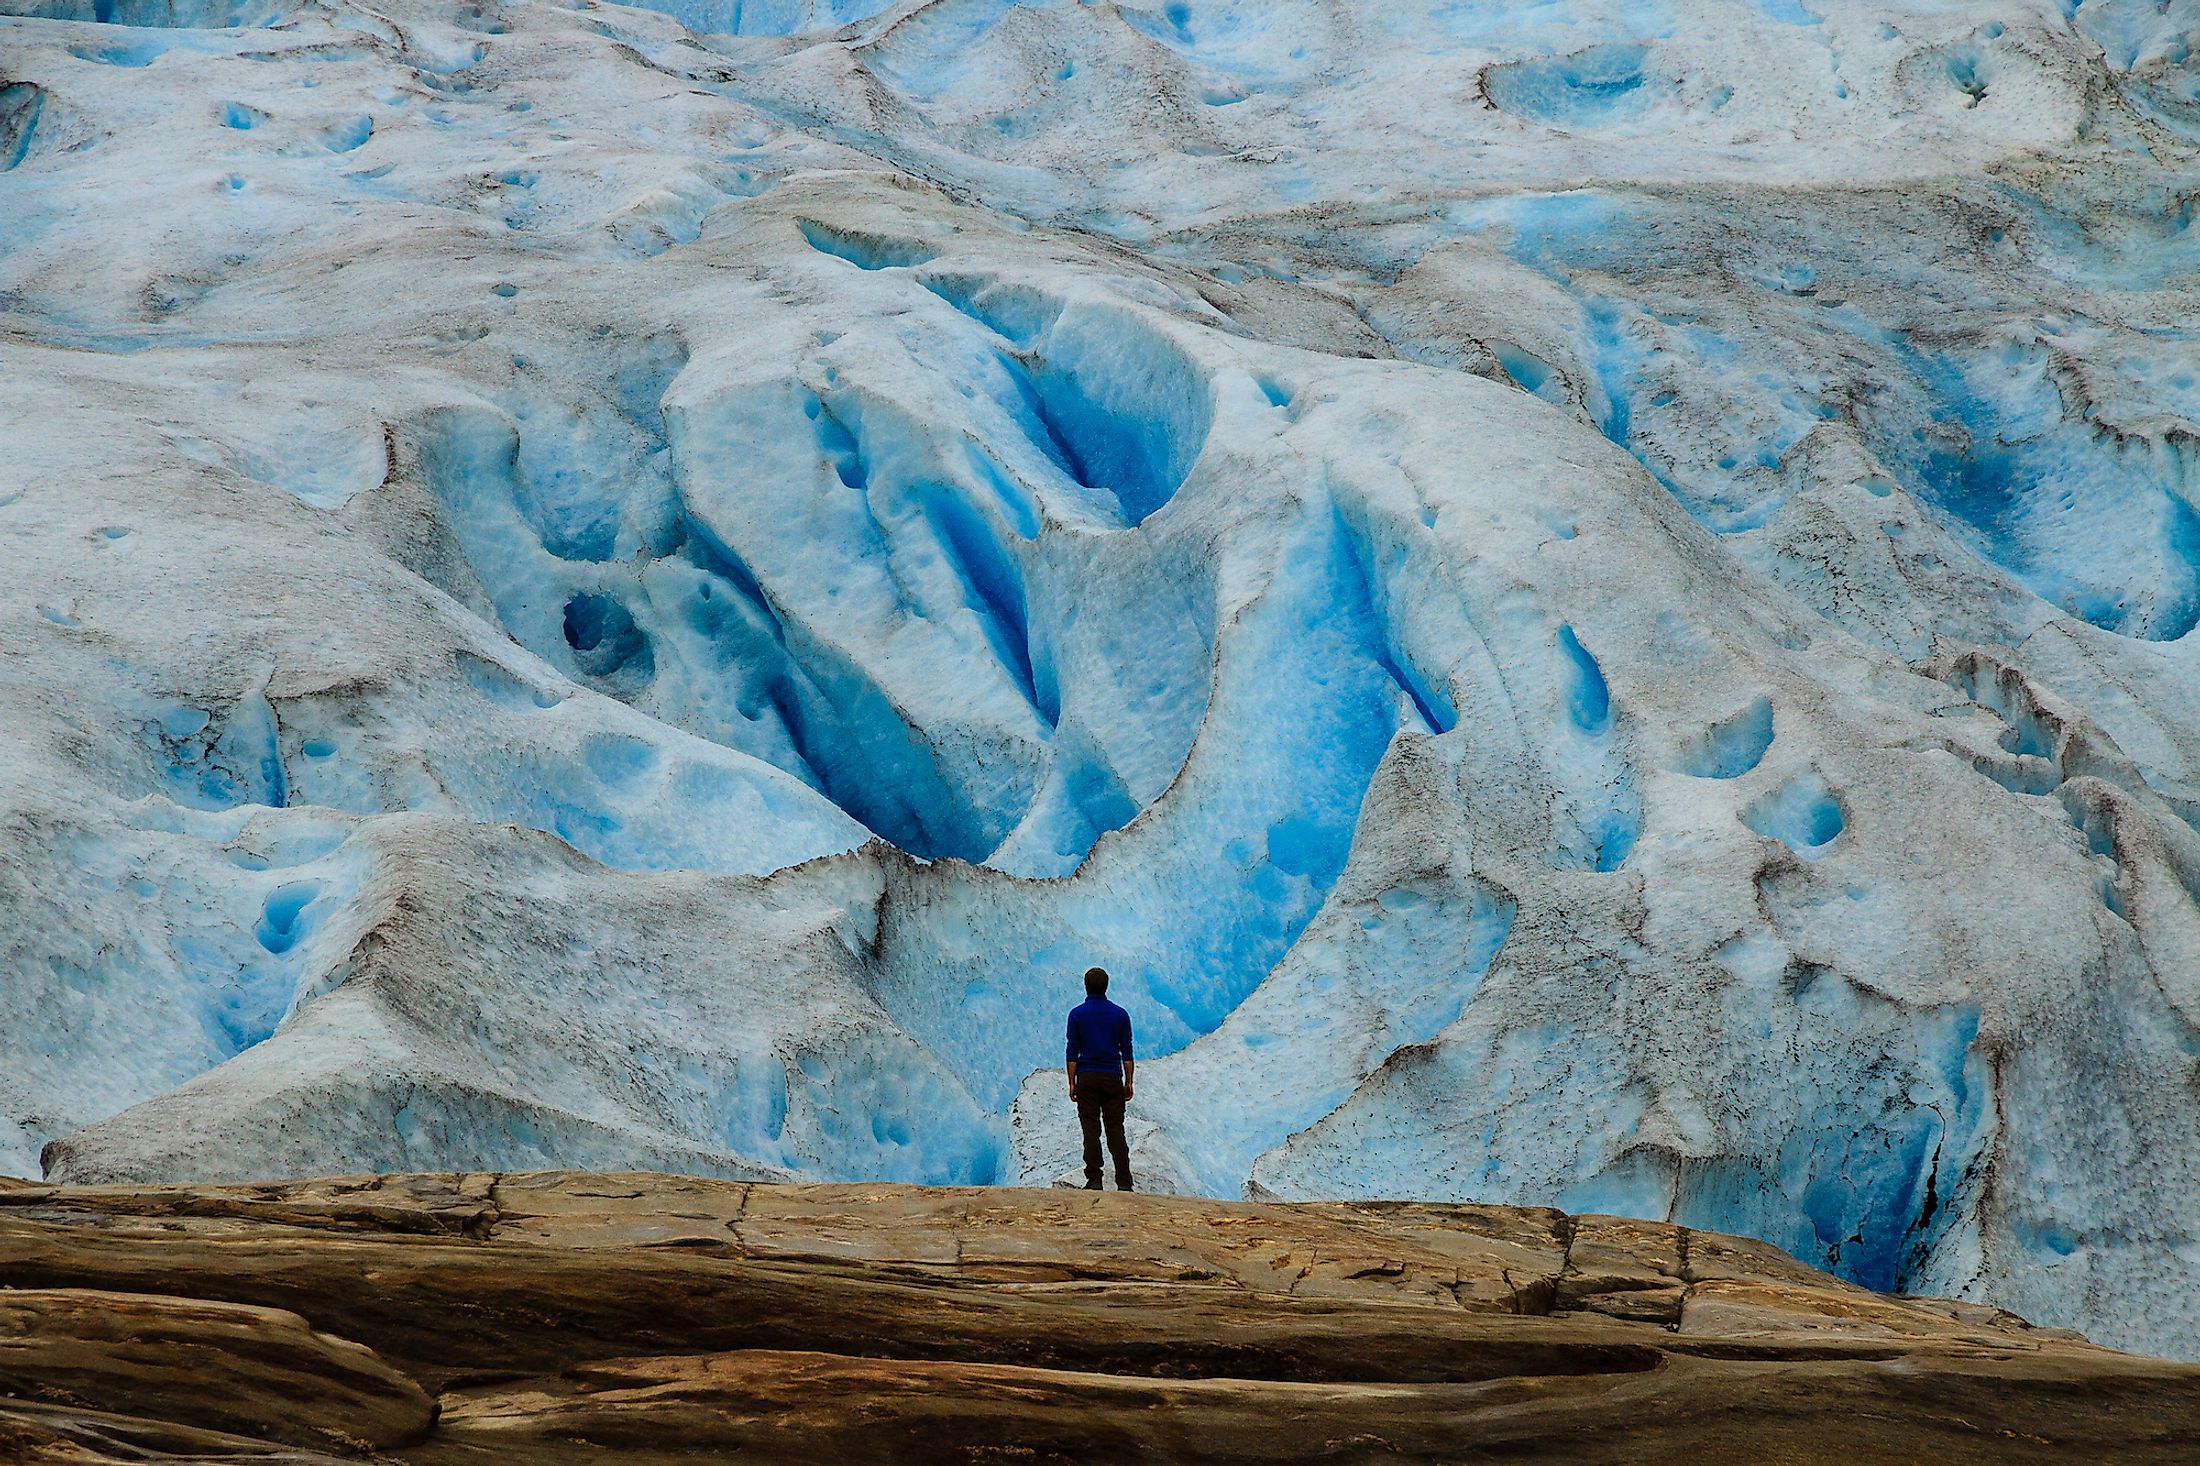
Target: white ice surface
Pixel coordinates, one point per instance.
(1589, 604)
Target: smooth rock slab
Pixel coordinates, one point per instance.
(260, 1372)
(639, 1318)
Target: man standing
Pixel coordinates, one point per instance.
(1099, 1058)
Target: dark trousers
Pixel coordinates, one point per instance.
(1100, 1097)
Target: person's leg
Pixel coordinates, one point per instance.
(1088, 1120)
(1118, 1148)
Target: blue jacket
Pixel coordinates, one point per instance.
(1099, 1037)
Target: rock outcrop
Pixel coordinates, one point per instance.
(566, 1316)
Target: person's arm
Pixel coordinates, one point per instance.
(1069, 1054)
(1128, 1063)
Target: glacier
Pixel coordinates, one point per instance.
(1588, 604)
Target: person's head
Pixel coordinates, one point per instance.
(1096, 981)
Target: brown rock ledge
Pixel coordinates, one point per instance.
(563, 1316)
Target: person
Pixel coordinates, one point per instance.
(1100, 1070)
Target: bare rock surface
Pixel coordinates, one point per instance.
(567, 1316)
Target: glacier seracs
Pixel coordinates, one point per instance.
(1589, 604)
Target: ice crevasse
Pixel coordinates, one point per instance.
(1587, 605)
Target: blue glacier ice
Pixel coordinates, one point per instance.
(1590, 605)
